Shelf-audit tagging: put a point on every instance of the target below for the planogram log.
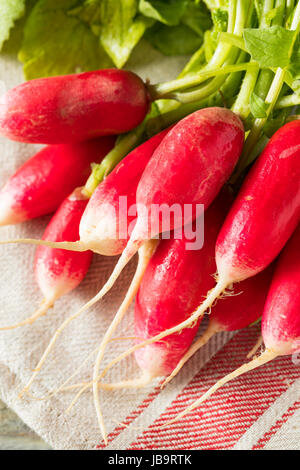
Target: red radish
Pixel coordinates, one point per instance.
(261, 220)
(73, 108)
(234, 312)
(58, 271)
(172, 269)
(47, 178)
(280, 320)
(101, 227)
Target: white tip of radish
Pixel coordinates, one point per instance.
(8, 214)
(98, 230)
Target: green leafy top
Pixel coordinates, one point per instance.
(10, 11)
(68, 36)
(270, 47)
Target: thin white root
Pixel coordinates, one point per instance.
(40, 312)
(69, 246)
(145, 254)
(255, 348)
(210, 331)
(212, 295)
(267, 356)
(141, 382)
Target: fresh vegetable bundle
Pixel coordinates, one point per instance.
(248, 62)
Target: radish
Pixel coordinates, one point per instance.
(261, 220)
(209, 141)
(234, 312)
(47, 178)
(72, 108)
(58, 271)
(280, 320)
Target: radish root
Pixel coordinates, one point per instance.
(145, 254)
(211, 330)
(40, 312)
(267, 356)
(140, 382)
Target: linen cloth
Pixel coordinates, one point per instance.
(260, 410)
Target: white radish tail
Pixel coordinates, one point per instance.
(145, 254)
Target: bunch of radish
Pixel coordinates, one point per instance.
(187, 164)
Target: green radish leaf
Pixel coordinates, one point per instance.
(121, 29)
(168, 12)
(257, 106)
(294, 67)
(197, 17)
(10, 11)
(270, 47)
(173, 40)
(58, 42)
(88, 11)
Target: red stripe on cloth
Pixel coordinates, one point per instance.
(278, 425)
(221, 421)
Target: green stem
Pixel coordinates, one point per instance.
(123, 146)
(287, 101)
(204, 75)
(221, 53)
(242, 103)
